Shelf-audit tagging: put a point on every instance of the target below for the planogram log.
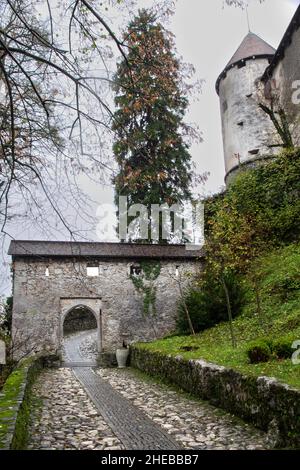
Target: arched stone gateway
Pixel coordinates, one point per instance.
(78, 314)
(50, 279)
(79, 318)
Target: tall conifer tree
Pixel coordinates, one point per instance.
(154, 163)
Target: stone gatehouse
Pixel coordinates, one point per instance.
(50, 279)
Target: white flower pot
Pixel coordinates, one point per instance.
(122, 356)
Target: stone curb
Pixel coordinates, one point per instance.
(13, 419)
(8, 440)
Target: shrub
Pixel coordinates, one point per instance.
(199, 314)
(260, 209)
(269, 196)
(206, 303)
(287, 287)
(265, 349)
(282, 348)
(259, 351)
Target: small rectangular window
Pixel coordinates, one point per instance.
(135, 270)
(177, 271)
(92, 271)
(47, 272)
(254, 151)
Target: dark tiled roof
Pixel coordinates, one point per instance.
(251, 46)
(32, 248)
(285, 42)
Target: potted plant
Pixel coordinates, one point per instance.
(122, 355)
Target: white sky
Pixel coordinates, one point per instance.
(207, 35)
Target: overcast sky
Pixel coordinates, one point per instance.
(207, 35)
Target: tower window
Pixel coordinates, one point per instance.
(254, 151)
(47, 272)
(241, 123)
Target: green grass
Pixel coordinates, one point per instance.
(9, 397)
(8, 400)
(279, 283)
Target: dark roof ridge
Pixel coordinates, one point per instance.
(95, 242)
(46, 248)
(285, 42)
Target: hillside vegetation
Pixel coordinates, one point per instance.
(245, 305)
(279, 284)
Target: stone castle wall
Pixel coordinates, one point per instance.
(285, 74)
(247, 130)
(42, 302)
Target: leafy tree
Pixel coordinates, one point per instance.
(240, 3)
(154, 164)
(259, 210)
(52, 105)
(6, 306)
(206, 303)
(8, 314)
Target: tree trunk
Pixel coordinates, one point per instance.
(188, 317)
(233, 339)
(258, 304)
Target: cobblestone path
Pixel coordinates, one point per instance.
(80, 349)
(195, 424)
(133, 427)
(65, 418)
(81, 408)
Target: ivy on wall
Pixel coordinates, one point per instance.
(144, 282)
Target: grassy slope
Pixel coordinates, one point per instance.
(8, 400)
(281, 317)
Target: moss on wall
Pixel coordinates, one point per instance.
(15, 405)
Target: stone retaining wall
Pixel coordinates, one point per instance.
(263, 401)
(14, 406)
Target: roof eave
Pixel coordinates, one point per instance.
(234, 64)
(285, 42)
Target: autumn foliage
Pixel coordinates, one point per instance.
(154, 164)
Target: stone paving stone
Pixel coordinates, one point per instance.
(80, 349)
(115, 409)
(67, 419)
(134, 429)
(195, 424)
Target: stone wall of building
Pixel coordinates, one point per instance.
(41, 302)
(247, 130)
(285, 74)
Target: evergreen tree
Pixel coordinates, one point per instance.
(154, 164)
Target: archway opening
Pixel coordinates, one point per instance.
(80, 335)
(79, 318)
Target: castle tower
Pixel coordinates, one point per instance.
(247, 130)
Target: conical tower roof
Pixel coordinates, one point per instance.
(251, 47)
